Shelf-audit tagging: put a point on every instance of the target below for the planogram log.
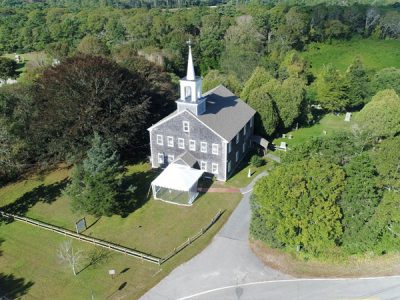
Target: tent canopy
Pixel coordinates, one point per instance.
(178, 177)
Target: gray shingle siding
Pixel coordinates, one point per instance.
(198, 132)
(243, 139)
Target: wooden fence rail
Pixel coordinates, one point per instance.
(86, 238)
(193, 238)
(112, 246)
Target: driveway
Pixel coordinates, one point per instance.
(228, 269)
(227, 261)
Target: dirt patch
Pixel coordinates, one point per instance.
(353, 267)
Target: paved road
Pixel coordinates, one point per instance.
(227, 269)
(228, 260)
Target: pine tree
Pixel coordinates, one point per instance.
(94, 184)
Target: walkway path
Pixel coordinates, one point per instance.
(228, 260)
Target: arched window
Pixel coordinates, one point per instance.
(188, 92)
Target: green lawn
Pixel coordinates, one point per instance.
(156, 228)
(26, 58)
(330, 123)
(375, 54)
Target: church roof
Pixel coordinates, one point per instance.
(225, 113)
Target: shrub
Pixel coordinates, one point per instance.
(256, 161)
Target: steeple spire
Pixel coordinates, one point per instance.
(190, 68)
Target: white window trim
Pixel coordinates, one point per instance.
(171, 158)
(181, 143)
(160, 140)
(203, 165)
(229, 166)
(160, 158)
(244, 147)
(237, 156)
(203, 147)
(192, 145)
(170, 141)
(237, 137)
(214, 168)
(230, 147)
(214, 149)
(185, 125)
(244, 129)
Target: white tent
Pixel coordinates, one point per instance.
(177, 184)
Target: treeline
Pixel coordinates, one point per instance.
(338, 195)
(229, 38)
(173, 3)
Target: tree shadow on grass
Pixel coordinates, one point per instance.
(42, 193)
(12, 287)
(130, 200)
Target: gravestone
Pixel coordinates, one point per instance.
(347, 117)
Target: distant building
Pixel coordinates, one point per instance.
(210, 132)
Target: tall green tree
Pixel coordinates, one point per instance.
(8, 68)
(358, 83)
(267, 118)
(94, 184)
(91, 45)
(298, 204)
(360, 198)
(258, 78)
(332, 90)
(386, 157)
(388, 78)
(381, 116)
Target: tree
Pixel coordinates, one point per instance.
(94, 185)
(381, 116)
(85, 94)
(388, 78)
(289, 97)
(267, 119)
(258, 78)
(359, 201)
(91, 45)
(298, 204)
(386, 157)
(8, 68)
(332, 90)
(215, 78)
(67, 255)
(358, 83)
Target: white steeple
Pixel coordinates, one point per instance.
(190, 86)
(190, 68)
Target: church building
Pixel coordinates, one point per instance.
(209, 132)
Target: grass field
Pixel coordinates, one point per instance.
(31, 56)
(29, 253)
(375, 54)
(329, 123)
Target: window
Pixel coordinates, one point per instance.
(230, 147)
(159, 139)
(203, 147)
(203, 165)
(214, 168)
(244, 130)
(181, 143)
(237, 138)
(244, 147)
(237, 156)
(170, 158)
(185, 126)
(214, 149)
(251, 122)
(170, 141)
(192, 145)
(160, 158)
(229, 166)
